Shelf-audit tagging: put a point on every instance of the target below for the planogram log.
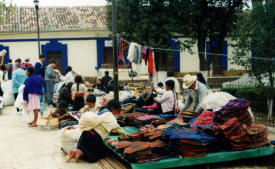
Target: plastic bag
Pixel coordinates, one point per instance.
(69, 137)
(19, 102)
(213, 101)
(8, 98)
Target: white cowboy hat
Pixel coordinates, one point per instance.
(188, 80)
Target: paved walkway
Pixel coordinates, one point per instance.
(22, 147)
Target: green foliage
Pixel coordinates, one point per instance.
(256, 96)
(147, 25)
(5, 11)
(251, 94)
(256, 35)
(155, 24)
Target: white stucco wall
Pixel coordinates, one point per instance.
(23, 50)
(189, 62)
(82, 56)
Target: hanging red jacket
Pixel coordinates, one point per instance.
(150, 62)
(122, 49)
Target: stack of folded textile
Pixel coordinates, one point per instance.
(142, 146)
(146, 133)
(140, 151)
(128, 108)
(234, 127)
(188, 142)
(204, 120)
(145, 119)
(128, 118)
(235, 108)
(188, 115)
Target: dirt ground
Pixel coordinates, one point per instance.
(22, 147)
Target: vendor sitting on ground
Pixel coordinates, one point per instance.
(61, 112)
(197, 92)
(167, 102)
(66, 94)
(156, 92)
(95, 128)
(90, 101)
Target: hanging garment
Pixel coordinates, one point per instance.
(151, 62)
(122, 49)
(145, 54)
(135, 53)
(132, 52)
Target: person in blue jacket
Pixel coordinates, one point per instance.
(32, 93)
(39, 67)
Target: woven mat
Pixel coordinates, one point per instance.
(111, 162)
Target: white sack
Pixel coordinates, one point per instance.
(69, 138)
(8, 98)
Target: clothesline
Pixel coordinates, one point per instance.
(176, 50)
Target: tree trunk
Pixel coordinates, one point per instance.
(269, 108)
(270, 94)
(201, 49)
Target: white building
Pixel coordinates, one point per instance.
(72, 36)
(76, 36)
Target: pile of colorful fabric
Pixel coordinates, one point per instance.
(188, 143)
(204, 120)
(143, 146)
(235, 108)
(128, 118)
(234, 127)
(188, 115)
(146, 133)
(128, 108)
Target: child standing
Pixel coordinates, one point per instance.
(32, 92)
(78, 90)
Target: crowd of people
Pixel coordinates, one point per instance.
(33, 83)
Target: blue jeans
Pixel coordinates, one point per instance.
(49, 91)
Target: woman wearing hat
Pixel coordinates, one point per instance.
(197, 92)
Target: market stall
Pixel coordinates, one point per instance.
(167, 141)
(207, 159)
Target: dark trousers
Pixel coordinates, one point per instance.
(49, 91)
(15, 97)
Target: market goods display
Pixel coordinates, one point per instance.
(189, 136)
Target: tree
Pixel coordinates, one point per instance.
(256, 34)
(5, 11)
(156, 23)
(150, 25)
(208, 19)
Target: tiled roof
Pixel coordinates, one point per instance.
(52, 19)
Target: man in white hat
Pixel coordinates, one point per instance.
(197, 92)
